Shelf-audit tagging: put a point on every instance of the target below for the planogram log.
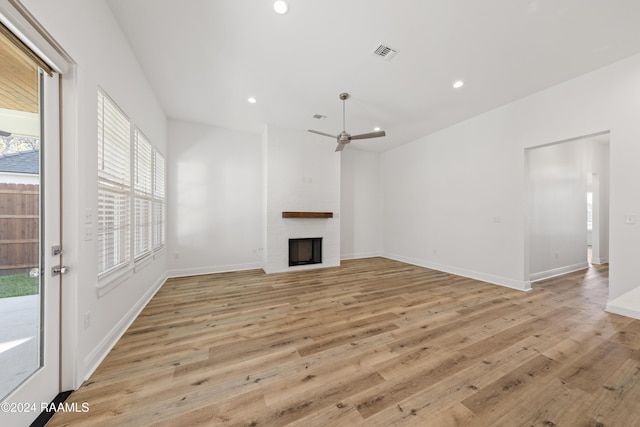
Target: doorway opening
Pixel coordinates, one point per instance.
(568, 187)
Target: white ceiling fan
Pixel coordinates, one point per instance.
(344, 137)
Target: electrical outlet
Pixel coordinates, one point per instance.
(87, 320)
(629, 219)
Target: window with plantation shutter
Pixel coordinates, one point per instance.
(114, 187)
(159, 201)
(142, 194)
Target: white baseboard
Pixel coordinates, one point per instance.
(558, 271)
(495, 280)
(627, 304)
(214, 269)
(327, 263)
(623, 311)
(93, 359)
(360, 255)
(599, 261)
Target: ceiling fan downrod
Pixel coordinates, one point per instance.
(344, 96)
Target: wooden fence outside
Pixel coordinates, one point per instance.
(19, 226)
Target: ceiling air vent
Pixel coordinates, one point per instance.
(384, 52)
(319, 116)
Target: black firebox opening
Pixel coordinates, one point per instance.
(305, 251)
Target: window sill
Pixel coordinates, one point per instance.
(113, 280)
(141, 263)
(161, 251)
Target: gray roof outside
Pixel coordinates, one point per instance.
(22, 162)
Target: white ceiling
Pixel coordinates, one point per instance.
(204, 58)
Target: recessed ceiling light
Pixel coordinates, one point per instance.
(376, 128)
(252, 100)
(281, 6)
(458, 84)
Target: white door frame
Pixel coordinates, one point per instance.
(26, 402)
(16, 17)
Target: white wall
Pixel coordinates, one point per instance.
(301, 175)
(360, 222)
(455, 200)
(218, 179)
(91, 36)
(215, 184)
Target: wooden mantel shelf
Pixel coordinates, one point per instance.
(307, 214)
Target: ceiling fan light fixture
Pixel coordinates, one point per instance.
(281, 7)
(344, 137)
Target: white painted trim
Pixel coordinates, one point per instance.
(599, 261)
(214, 269)
(558, 271)
(113, 280)
(331, 263)
(17, 18)
(612, 307)
(627, 304)
(157, 253)
(71, 376)
(141, 263)
(360, 255)
(494, 280)
(93, 359)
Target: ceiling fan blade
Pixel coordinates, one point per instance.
(340, 147)
(369, 135)
(321, 133)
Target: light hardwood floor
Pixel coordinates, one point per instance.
(373, 343)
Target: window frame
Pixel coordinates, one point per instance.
(142, 194)
(114, 187)
(159, 203)
(136, 191)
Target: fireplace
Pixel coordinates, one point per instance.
(305, 251)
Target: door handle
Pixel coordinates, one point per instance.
(59, 269)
